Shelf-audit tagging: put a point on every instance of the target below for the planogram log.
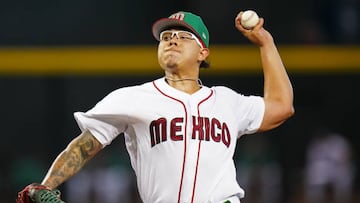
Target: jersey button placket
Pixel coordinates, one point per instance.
(191, 155)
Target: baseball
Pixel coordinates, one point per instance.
(249, 19)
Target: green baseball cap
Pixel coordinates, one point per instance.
(183, 19)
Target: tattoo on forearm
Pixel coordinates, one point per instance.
(73, 158)
(86, 147)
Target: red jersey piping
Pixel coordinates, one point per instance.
(183, 165)
(199, 147)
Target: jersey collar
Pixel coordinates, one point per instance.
(165, 88)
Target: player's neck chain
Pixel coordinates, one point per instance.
(184, 79)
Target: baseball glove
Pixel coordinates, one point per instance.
(37, 193)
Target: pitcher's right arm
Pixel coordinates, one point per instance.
(70, 161)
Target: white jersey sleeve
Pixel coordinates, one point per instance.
(249, 109)
(108, 118)
(253, 114)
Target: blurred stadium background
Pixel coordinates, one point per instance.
(58, 57)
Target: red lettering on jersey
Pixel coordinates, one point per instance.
(157, 129)
(198, 128)
(207, 129)
(215, 130)
(225, 135)
(203, 129)
(175, 127)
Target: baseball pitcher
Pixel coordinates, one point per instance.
(180, 134)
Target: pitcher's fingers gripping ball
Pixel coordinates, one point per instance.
(37, 193)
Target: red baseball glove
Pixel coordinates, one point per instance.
(37, 193)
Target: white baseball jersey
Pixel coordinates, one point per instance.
(181, 146)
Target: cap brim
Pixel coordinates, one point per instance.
(165, 23)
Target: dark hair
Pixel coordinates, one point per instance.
(204, 64)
